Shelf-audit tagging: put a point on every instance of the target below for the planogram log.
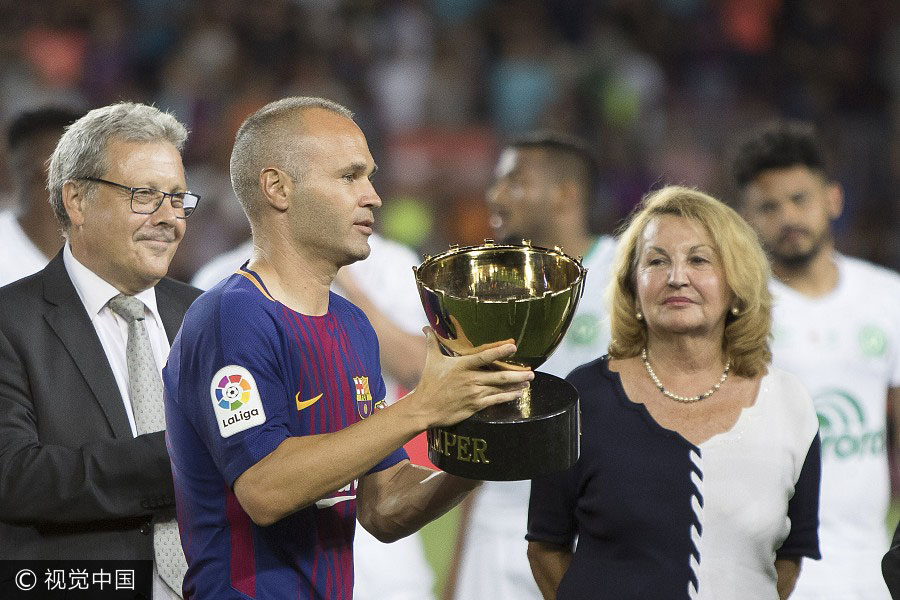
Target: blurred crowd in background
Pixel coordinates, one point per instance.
(659, 87)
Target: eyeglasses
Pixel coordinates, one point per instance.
(146, 201)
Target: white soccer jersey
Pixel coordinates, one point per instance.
(18, 254)
(845, 348)
(494, 563)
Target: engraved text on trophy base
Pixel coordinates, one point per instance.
(463, 447)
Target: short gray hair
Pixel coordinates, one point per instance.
(263, 141)
(81, 151)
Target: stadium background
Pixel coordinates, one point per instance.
(657, 86)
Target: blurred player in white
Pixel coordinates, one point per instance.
(544, 184)
(836, 325)
(384, 287)
(29, 232)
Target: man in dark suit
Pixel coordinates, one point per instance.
(84, 472)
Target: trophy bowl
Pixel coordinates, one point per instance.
(475, 295)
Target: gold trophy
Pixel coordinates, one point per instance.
(475, 295)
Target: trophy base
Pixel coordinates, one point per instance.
(525, 439)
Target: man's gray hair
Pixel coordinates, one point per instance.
(81, 151)
(264, 141)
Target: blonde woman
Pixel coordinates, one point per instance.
(699, 471)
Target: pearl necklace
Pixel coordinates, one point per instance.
(676, 397)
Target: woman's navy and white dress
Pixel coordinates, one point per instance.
(658, 517)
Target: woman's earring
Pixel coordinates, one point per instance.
(734, 310)
(639, 316)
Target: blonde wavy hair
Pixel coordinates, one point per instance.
(746, 269)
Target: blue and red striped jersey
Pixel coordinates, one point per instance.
(246, 372)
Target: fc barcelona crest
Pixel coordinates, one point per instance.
(363, 396)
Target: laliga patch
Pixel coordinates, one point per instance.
(236, 400)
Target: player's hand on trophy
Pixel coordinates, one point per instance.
(452, 388)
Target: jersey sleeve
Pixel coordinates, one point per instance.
(551, 509)
(390, 460)
(803, 508)
(240, 401)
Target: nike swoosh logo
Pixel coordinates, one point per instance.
(301, 404)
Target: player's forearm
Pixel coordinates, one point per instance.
(413, 497)
(548, 565)
(304, 469)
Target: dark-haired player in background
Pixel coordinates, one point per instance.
(29, 232)
(836, 325)
(545, 183)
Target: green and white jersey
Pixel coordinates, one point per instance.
(845, 348)
(587, 337)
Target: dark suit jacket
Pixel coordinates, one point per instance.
(890, 566)
(74, 482)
